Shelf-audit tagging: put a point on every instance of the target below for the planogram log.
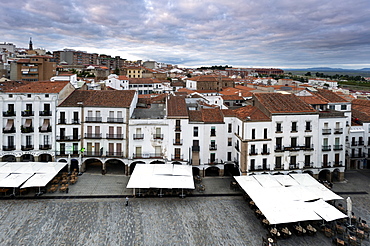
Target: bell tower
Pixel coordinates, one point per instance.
(30, 46)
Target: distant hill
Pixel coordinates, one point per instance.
(328, 69)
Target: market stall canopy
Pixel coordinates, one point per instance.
(161, 176)
(15, 180)
(285, 199)
(38, 180)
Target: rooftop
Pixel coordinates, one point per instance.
(36, 87)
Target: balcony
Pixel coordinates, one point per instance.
(253, 152)
(195, 148)
(48, 129)
(260, 168)
(93, 135)
(114, 136)
(338, 147)
(306, 147)
(93, 119)
(114, 154)
(326, 164)
(26, 147)
(308, 129)
(9, 113)
(138, 136)
(11, 130)
(177, 142)
(326, 148)
(177, 128)
(45, 147)
(213, 147)
(66, 153)
(68, 138)
(308, 165)
(358, 155)
(279, 148)
(177, 157)
(279, 129)
(92, 153)
(114, 120)
(147, 156)
(292, 148)
(278, 167)
(360, 143)
(326, 131)
(338, 164)
(75, 121)
(8, 147)
(354, 143)
(294, 130)
(338, 130)
(212, 161)
(293, 166)
(45, 113)
(26, 129)
(157, 136)
(265, 151)
(27, 113)
(213, 133)
(62, 121)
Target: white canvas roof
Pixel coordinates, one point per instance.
(38, 180)
(161, 176)
(284, 199)
(15, 180)
(14, 174)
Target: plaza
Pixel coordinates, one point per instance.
(218, 216)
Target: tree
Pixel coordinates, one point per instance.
(308, 74)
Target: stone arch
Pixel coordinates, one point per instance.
(9, 158)
(158, 162)
(325, 175)
(45, 158)
(212, 171)
(115, 166)
(335, 175)
(195, 171)
(27, 157)
(309, 172)
(231, 170)
(133, 165)
(74, 165)
(93, 165)
(177, 163)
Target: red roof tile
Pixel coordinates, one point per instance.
(39, 87)
(176, 107)
(250, 112)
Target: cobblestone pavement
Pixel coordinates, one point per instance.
(203, 220)
(146, 221)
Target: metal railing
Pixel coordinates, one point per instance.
(93, 135)
(93, 119)
(114, 136)
(138, 136)
(9, 113)
(114, 120)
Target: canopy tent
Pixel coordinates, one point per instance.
(14, 174)
(15, 180)
(38, 180)
(284, 199)
(45, 125)
(161, 176)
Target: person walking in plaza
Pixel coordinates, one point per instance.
(126, 200)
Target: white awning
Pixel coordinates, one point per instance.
(327, 211)
(45, 125)
(38, 180)
(9, 124)
(161, 176)
(15, 180)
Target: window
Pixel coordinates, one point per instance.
(229, 142)
(238, 130)
(343, 107)
(265, 133)
(195, 131)
(253, 133)
(212, 158)
(178, 125)
(293, 142)
(307, 160)
(10, 95)
(253, 150)
(28, 95)
(278, 162)
(229, 128)
(307, 142)
(332, 107)
(213, 131)
(228, 156)
(293, 160)
(294, 126)
(28, 140)
(264, 149)
(279, 143)
(278, 127)
(253, 164)
(46, 95)
(308, 126)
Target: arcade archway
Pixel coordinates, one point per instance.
(114, 166)
(212, 171)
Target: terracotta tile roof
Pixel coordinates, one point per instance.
(39, 87)
(361, 109)
(228, 112)
(176, 106)
(143, 81)
(158, 98)
(206, 115)
(9, 84)
(185, 90)
(283, 103)
(206, 91)
(97, 98)
(330, 96)
(362, 116)
(313, 99)
(210, 78)
(250, 112)
(123, 77)
(243, 90)
(232, 98)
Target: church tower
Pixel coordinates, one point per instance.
(30, 45)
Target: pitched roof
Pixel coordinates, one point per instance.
(97, 98)
(283, 103)
(250, 112)
(38, 87)
(330, 96)
(232, 97)
(210, 78)
(206, 115)
(176, 106)
(313, 99)
(143, 81)
(361, 109)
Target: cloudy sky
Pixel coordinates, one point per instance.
(192, 33)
